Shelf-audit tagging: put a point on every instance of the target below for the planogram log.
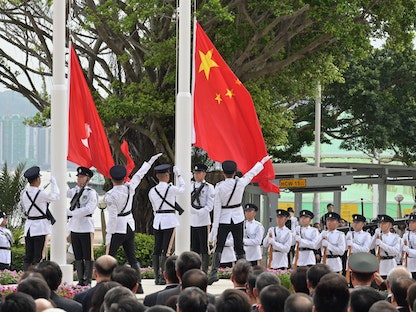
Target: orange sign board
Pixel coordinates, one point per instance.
(292, 183)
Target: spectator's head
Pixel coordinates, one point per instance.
(115, 295)
(411, 296)
(99, 293)
(126, 276)
(232, 300)
(240, 271)
(195, 278)
(43, 304)
(34, 286)
(172, 302)
(51, 272)
(314, 275)
(331, 294)
(192, 299)
(330, 207)
(263, 280)
(103, 267)
(399, 289)
(298, 280)
(382, 306)
(363, 298)
(298, 302)
(160, 308)
(18, 302)
(186, 261)
(127, 304)
(363, 265)
(272, 298)
(395, 274)
(251, 283)
(170, 271)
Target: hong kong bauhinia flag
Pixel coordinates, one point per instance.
(87, 141)
(225, 120)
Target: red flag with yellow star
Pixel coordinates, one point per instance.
(225, 120)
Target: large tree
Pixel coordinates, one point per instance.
(279, 49)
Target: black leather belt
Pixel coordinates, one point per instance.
(165, 211)
(304, 249)
(274, 250)
(332, 256)
(124, 214)
(386, 257)
(90, 215)
(5, 248)
(37, 218)
(232, 206)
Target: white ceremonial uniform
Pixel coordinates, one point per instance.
(119, 202)
(42, 226)
(6, 242)
(389, 248)
(80, 220)
(228, 253)
(410, 238)
(360, 241)
(201, 216)
(163, 221)
(309, 236)
(281, 241)
(335, 249)
(253, 236)
(223, 190)
(294, 223)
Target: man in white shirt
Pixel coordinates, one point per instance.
(253, 234)
(306, 237)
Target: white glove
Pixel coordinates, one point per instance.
(154, 158)
(298, 238)
(265, 159)
(378, 242)
(349, 243)
(53, 180)
(176, 171)
(324, 243)
(213, 234)
(377, 232)
(405, 249)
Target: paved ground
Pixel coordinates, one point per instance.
(215, 289)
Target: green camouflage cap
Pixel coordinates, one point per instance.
(363, 262)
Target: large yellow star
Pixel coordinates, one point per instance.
(229, 93)
(218, 98)
(206, 63)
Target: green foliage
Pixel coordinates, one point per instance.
(18, 255)
(144, 250)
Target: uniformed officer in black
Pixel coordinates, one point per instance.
(84, 201)
(35, 201)
(120, 222)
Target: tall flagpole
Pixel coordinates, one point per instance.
(183, 122)
(59, 139)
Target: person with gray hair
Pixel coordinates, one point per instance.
(394, 274)
(193, 299)
(263, 280)
(116, 294)
(298, 302)
(382, 306)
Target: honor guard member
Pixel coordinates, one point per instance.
(84, 201)
(163, 200)
(120, 223)
(202, 202)
(386, 244)
(228, 257)
(306, 237)
(228, 211)
(291, 223)
(357, 239)
(332, 242)
(35, 202)
(280, 239)
(409, 245)
(253, 235)
(6, 242)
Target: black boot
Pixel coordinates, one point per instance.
(155, 264)
(213, 276)
(79, 266)
(136, 266)
(89, 265)
(162, 265)
(205, 262)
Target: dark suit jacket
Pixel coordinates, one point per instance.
(163, 296)
(85, 298)
(150, 299)
(65, 303)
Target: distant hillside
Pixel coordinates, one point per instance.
(14, 103)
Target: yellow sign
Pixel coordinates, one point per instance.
(347, 210)
(293, 183)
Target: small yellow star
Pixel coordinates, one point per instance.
(229, 93)
(218, 98)
(238, 82)
(206, 63)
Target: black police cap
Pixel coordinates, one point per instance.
(385, 218)
(306, 213)
(251, 207)
(229, 166)
(332, 216)
(412, 217)
(282, 213)
(118, 172)
(358, 218)
(199, 168)
(85, 172)
(162, 168)
(32, 173)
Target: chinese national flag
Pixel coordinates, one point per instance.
(124, 147)
(87, 141)
(225, 120)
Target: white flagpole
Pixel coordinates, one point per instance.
(183, 123)
(59, 139)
